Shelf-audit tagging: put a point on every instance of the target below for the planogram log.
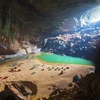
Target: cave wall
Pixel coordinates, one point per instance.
(33, 20)
(31, 17)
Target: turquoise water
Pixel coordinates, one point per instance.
(53, 58)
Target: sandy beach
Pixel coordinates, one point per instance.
(44, 75)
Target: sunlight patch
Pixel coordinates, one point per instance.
(90, 16)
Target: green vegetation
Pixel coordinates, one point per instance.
(5, 22)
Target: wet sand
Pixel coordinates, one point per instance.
(45, 75)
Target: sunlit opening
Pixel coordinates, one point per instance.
(90, 16)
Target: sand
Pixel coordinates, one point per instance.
(45, 79)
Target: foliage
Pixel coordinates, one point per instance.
(5, 22)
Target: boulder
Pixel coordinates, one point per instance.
(21, 90)
(4, 50)
(15, 45)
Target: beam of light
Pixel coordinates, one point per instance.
(90, 16)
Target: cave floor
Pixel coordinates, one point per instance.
(45, 75)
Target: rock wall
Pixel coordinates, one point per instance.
(33, 20)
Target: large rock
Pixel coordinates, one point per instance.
(4, 50)
(90, 87)
(22, 90)
(9, 47)
(15, 45)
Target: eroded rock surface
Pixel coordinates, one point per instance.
(22, 90)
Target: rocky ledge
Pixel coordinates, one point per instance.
(17, 49)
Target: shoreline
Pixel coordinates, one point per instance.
(61, 63)
(30, 56)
